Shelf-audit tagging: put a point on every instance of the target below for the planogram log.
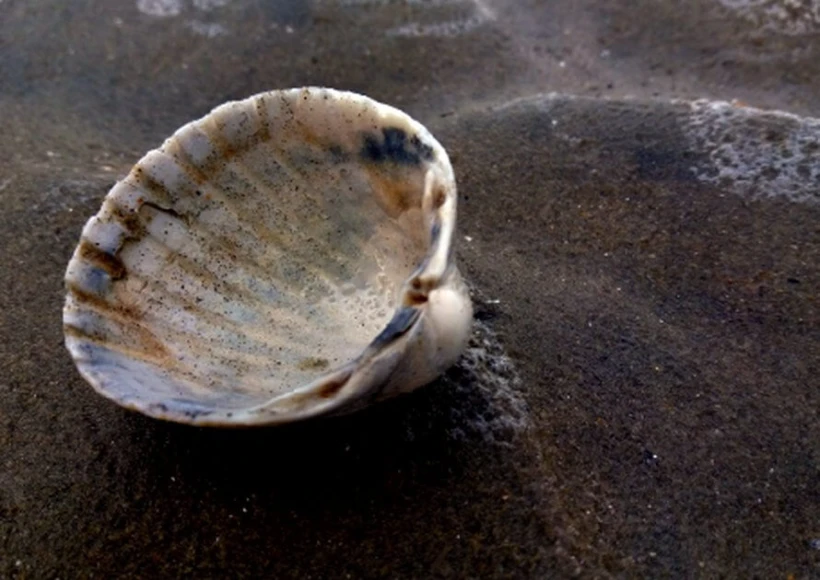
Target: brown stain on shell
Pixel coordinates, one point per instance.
(439, 197)
(313, 363)
(130, 222)
(108, 263)
(393, 192)
(330, 388)
(148, 346)
(143, 180)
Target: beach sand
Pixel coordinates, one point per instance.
(640, 397)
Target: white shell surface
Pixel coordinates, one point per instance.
(241, 272)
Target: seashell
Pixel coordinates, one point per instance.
(286, 256)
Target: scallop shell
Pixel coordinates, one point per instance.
(286, 256)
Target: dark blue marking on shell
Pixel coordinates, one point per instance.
(395, 147)
(191, 408)
(97, 281)
(435, 232)
(398, 325)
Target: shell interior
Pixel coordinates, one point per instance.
(258, 250)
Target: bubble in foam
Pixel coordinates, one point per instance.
(478, 399)
(160, 8)
(757, 153)
(439, 29)
(486, 368)
(792, 17)
(208, 5)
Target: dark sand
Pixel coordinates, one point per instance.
(643, 397)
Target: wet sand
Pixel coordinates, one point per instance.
(640, 398)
